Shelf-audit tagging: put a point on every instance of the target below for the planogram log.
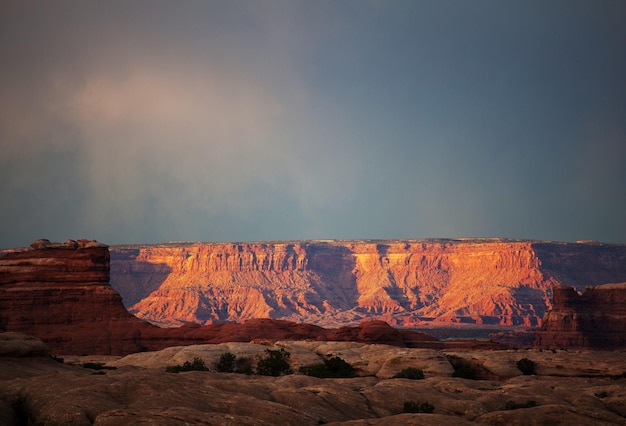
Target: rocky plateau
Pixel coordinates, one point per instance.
(566, 388)
(334, 283)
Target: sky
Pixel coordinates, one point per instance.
(155, 121)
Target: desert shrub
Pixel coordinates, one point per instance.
(512, 405)
(98, 366)
(226, 363)
(526, 366)
(196, 365)
(417, 407)
(334, 367)
(411, 373)
(274, 363)
(229, 363)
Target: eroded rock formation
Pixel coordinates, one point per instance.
(61, 294)
(595, 318)
(332, 283)
(566, 388)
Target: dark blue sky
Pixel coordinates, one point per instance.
(151, 121)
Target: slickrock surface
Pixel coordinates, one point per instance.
(595, 318)
(333, 283)
(567, 390)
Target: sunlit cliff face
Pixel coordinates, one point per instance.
(333, 283)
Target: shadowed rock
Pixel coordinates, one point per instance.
(595, 318)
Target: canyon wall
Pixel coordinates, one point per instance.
(61, 294)
(332, 283)
(594, 318)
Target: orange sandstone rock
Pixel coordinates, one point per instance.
(63, 297)
(334, 283)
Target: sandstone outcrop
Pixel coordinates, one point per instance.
(595, 318)
(334, 283)
(38, 390)
(20, 345)
(62, 295)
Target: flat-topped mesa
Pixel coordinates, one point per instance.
(595, 318)
(335, 282)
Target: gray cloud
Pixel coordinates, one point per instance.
(267, 120)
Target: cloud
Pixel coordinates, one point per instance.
(260, 120)
(173, 139)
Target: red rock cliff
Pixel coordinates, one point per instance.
(595, 318)
(332, 283)
(61, 294)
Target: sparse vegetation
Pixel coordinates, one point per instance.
(229, 363)
(334, 367)
(411, 373)
(196, 365)
(274, 363)
(98, 366)
(417, 407)
(511, 405)
(526, 366)
(226, 363)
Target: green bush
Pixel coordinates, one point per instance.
(526, 366)
(196, 365)
(226, 363)
(334, 367)
(274, 363)
(417, 407)
(511, 405)
(229, 363)
(411, 373)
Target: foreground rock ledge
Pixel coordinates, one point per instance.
(565, 391)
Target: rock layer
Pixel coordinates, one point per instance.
(332, 283)
(595, 318)
(62, 295)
